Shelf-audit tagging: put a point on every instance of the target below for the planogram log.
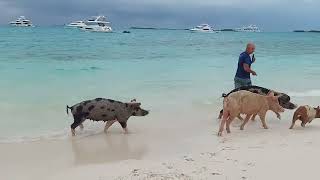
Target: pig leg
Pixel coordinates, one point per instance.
(124, 127)
(77, 121)
(230, 119)
(223, 122)
(263, 119)
(108, 124)
(239, 117)
(278, 115)
(253, 117)
(245, 121)
(220, 114)
(294, 119)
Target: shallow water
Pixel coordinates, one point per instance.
(44, 68)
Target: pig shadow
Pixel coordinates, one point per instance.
(104, 148)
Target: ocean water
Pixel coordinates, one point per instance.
(43, 69)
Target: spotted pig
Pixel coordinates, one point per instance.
(107, 110)
(306, 114)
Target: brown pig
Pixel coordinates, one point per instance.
(306, 114)
(248, 103)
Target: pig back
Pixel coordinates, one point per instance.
(247, 102)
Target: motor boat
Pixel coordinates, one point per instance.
(76, 24)
(97, 24)
(202, 28)
(22, 22)
(250, 28)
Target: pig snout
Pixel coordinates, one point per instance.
(140, 112)
(144, 112)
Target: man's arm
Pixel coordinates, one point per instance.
(247, 68)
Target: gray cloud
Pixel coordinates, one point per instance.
(268, 14)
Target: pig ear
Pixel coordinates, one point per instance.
(133, 100)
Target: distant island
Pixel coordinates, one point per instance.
(313, 31)
(154, 28)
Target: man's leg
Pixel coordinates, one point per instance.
(237, 83)
(248, 82)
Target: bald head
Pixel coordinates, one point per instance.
(250, 48)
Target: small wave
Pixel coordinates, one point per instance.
(310, 93)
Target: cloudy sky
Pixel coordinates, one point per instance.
(270, 15)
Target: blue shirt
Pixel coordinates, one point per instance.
(244, 58)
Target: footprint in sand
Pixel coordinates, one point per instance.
(216, 174)
(168, 166)
(187, 158)
(250, 164)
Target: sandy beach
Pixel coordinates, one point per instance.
(161, 148)
(160, 68)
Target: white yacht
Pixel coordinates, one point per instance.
(22, 22)
(202, 28)
(250, 28)
(97, 24)
(76, 24)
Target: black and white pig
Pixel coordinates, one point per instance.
(107, 110)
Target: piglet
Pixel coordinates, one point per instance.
(306, 114)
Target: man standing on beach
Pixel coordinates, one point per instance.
(244, 70)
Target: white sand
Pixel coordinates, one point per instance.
(176, 147)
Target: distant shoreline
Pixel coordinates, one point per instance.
(312, 31)
(154, 28)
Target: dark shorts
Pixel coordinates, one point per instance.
(238, 82)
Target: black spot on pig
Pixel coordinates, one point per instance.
(104, 115)
(102, 107)
(91, 107)
(112, 110)
(79, 109)
(110, 100)
(98, 99)
(86, 114)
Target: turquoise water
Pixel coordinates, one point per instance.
(44, 68)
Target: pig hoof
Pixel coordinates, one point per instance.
(73, 132)
(265, 127)
(219, 133)
(241, 128)
(126, 131)
(228, 131)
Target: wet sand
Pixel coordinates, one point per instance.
(167, 150)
